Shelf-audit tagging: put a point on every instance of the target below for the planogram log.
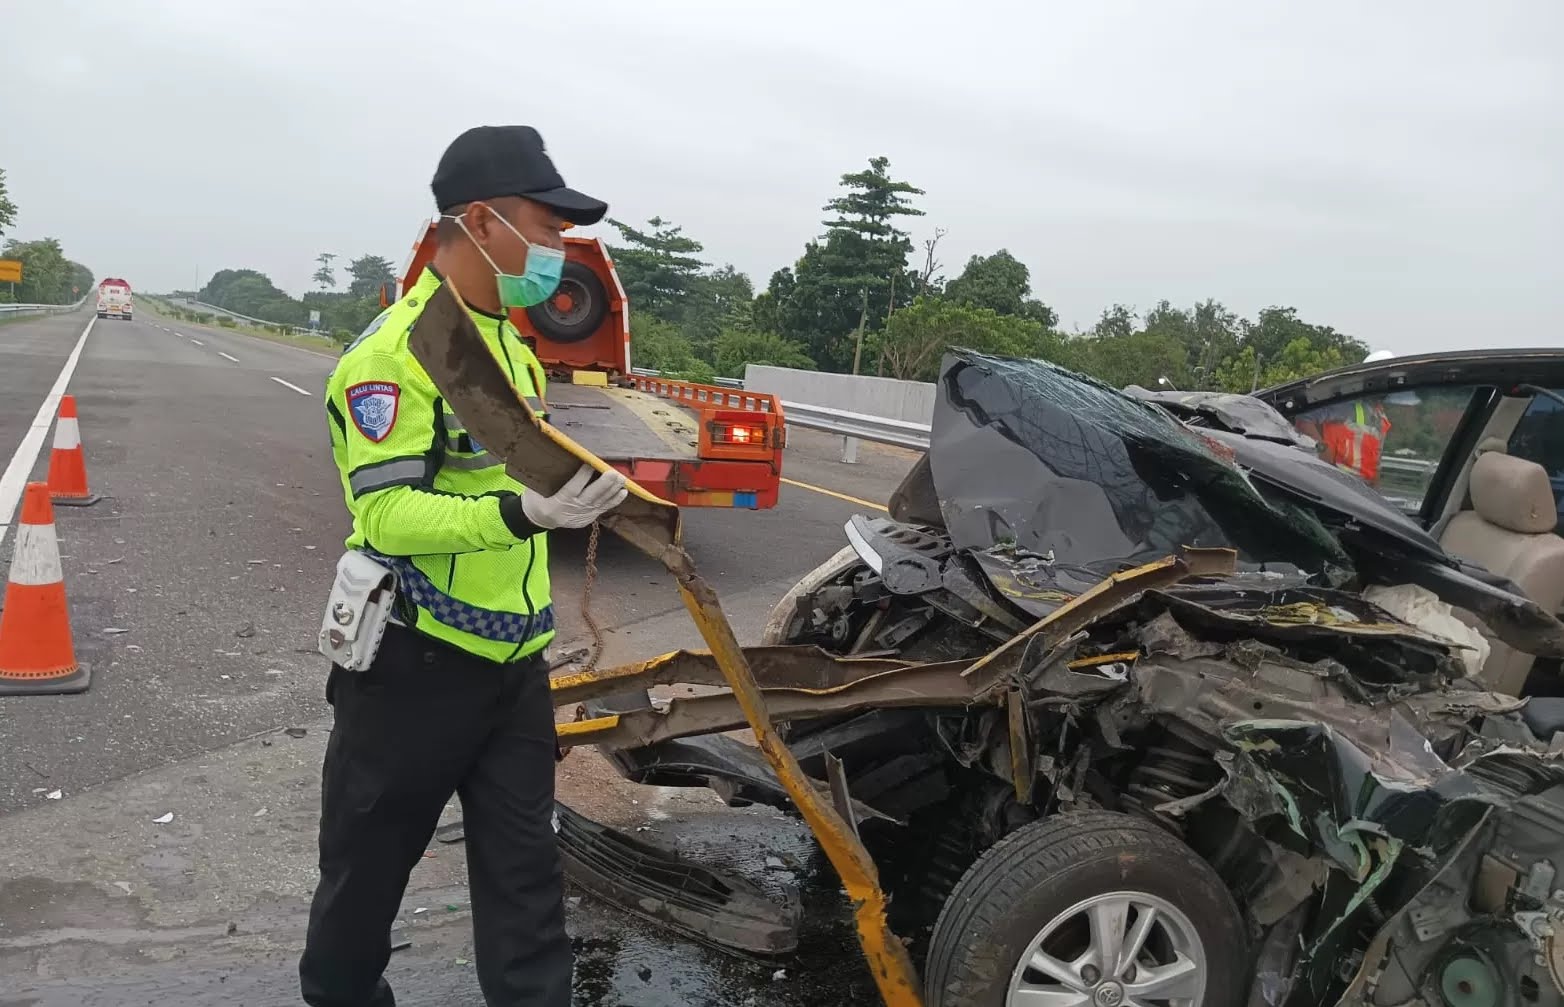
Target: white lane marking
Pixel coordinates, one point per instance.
(225, 356)
(196, 341)
(14, 480)
(287, 384)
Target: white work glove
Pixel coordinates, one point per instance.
(579, 502)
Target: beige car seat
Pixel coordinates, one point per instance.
(1509, 531)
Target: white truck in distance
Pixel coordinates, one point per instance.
(114, 299)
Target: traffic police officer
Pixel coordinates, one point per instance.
(456, 699)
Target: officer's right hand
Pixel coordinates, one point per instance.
(579, 502)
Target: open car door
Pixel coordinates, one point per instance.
(1438, 410)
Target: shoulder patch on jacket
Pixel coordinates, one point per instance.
(374, 406)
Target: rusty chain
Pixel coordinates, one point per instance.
(586, 600)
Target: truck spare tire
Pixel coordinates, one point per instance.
(575, 310)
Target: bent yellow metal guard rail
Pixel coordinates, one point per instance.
(451, 351)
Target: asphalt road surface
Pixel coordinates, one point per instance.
(195, 589)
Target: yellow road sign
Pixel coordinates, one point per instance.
(10, 270)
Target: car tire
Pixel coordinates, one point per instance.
(1039, 888)
(587, 301)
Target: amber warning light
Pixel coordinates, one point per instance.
(734, 434)
(739, 435)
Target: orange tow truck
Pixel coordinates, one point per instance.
(691, 444)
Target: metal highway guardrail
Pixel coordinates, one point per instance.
(857, 426)
(647, 372)
(27, 310)
(213, 309)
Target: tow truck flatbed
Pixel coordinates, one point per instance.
(693, 445)
(627, 422)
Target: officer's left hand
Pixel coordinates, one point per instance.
(579, 502)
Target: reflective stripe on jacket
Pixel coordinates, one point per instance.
(425, 496)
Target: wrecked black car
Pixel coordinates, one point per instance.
(1143, 702)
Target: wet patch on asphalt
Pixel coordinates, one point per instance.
(621, 960)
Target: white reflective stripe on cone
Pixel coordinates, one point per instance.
(67, 434)
(37, 558)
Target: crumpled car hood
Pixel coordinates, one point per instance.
(1230, 411)
(1027, 453)
(1036, 462)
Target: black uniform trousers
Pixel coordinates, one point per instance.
(426, 721)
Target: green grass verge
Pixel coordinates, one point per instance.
(222, 323)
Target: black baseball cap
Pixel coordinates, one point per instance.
(490, 161)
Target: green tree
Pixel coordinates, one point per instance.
(1247, 370)
(659, 345)
(1001, 283)
(1209, 334)
(342, 312)
(1118, 321)
(736, 348)
(857, 273)
(1275, 329)
(47, 275)
(719, 300)
(658, 267)
(324, 277)
(81, 281)
(1134, 357)
(369, 272)
(251, 293)
(917, 337)
(7, 213)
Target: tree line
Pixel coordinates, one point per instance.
(48, 277)
(343, 313)
(858, 300)
(863, 298)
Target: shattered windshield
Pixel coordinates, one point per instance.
(1026, 454)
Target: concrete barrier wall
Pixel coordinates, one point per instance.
(888, 397)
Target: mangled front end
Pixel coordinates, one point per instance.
(1080, 607)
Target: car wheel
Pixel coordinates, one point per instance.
(1092, 909)
(574, 311)
(780, 628)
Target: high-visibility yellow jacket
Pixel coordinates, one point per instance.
(426, 498)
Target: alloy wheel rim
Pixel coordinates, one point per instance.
(1118, 949)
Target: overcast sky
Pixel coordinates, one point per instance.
(1393, 169)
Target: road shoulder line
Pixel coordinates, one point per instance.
(14, 480)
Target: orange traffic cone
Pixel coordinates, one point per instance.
(67, 463)
(36, 656)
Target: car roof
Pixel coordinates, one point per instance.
(1500, 368)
